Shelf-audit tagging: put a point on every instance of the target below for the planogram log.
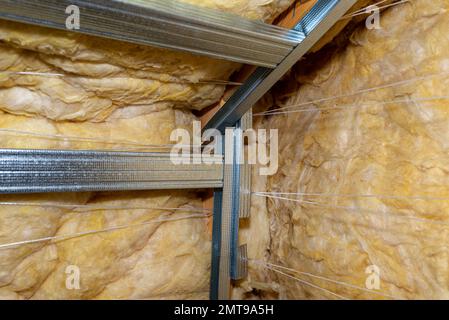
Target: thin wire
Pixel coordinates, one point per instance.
(81, 234)
(305, 282)
(420, 197)
(364, 10)
(325, 279)
(73, 138)
(32, 73)
(373, 104)
(384, 86)
(50, 74)
(87, 207)
(221, 82)
(299, 109)
(424, 220)
(172, 293)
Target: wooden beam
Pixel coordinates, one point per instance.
(297, 11)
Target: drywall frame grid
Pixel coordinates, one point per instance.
(15, 179)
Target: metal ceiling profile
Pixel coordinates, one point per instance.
(167, 24)
(26, 171)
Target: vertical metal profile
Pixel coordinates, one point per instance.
(224, 281)
(245, 170)
(242, 265)
(235, 203)
(216, 246)
(29, 171)
(238, 154)
(164, 23)
(227, 226)
(215, 273)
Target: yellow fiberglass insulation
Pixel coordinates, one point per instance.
(368, 169)
(82, 92)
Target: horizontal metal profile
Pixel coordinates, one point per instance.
(25, 171)
(165, 23)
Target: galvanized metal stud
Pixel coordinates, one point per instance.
(25, 171)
